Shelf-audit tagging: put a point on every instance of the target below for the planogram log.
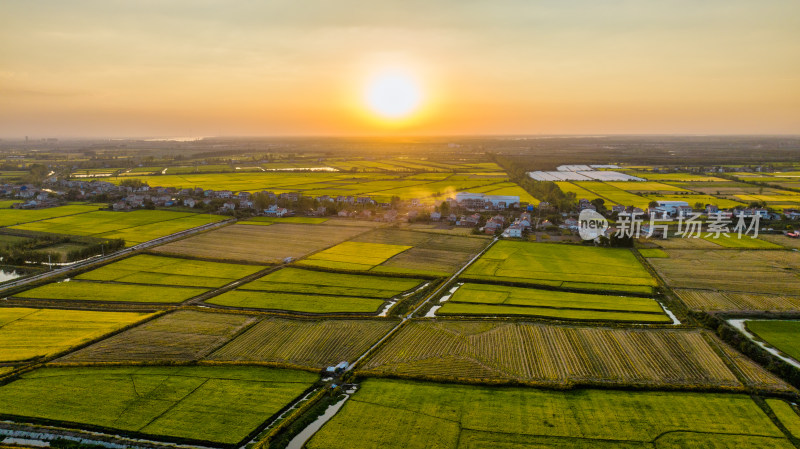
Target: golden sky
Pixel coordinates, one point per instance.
(111, 68)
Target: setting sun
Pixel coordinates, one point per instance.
(393, 95)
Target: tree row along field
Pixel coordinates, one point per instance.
(188, 336)
(219, 404)
(503, 300)
(144, 279)
(404, 414)
(547, 355)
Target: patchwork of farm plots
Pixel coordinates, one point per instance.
(547, 355)
(400, 251)
(145, 279)
(135, 227)
(308, 291)
(501, 300)
(26, 333)
(201, 403)
(261, 244)
(783, 335)
(566, 266)
(383, 412)
(751, 271)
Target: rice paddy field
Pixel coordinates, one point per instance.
(181, 336)
(547, 355)
(357, 256)
(732, 240)
(111, 292)
(261, 244)
(170, 271)
(303, 343)
(383, 411)
(498, 300)
(11, 217)
(317, 292)
(566, 266)
(135, 226)
(218, 404)
(296, 280)
(780, 334)
(26, 333)
(722, 301)
(744, 271)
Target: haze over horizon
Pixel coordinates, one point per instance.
(246, 68)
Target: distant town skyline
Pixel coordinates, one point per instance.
(124, 69)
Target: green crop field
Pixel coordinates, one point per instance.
(783, 335)
(220, 404)
(295, 280)
(653, 253)
(101, 291)
(409, 415)
(787, 415)
(614, 195)
(176, 337)
(307, 343)
(169, 271)
(356, 256)
(27, 333)
(135, 226)
(304, 303)
(582, 267)
(261, 244)
(484, 299)
(10, 217)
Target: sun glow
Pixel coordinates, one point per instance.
(393, 95)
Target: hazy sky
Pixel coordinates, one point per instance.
(295, 67)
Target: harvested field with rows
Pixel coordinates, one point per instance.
(539, 354)
(295, 280)
(383, 411)
(27, 333)
(752, 271)
(499, 300)
(568, 266)
(181, 336)
(261, 244)
(219, 404)
(148, 269)
(305, 343)
(719, 301)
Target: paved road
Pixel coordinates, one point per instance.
(98, 260)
